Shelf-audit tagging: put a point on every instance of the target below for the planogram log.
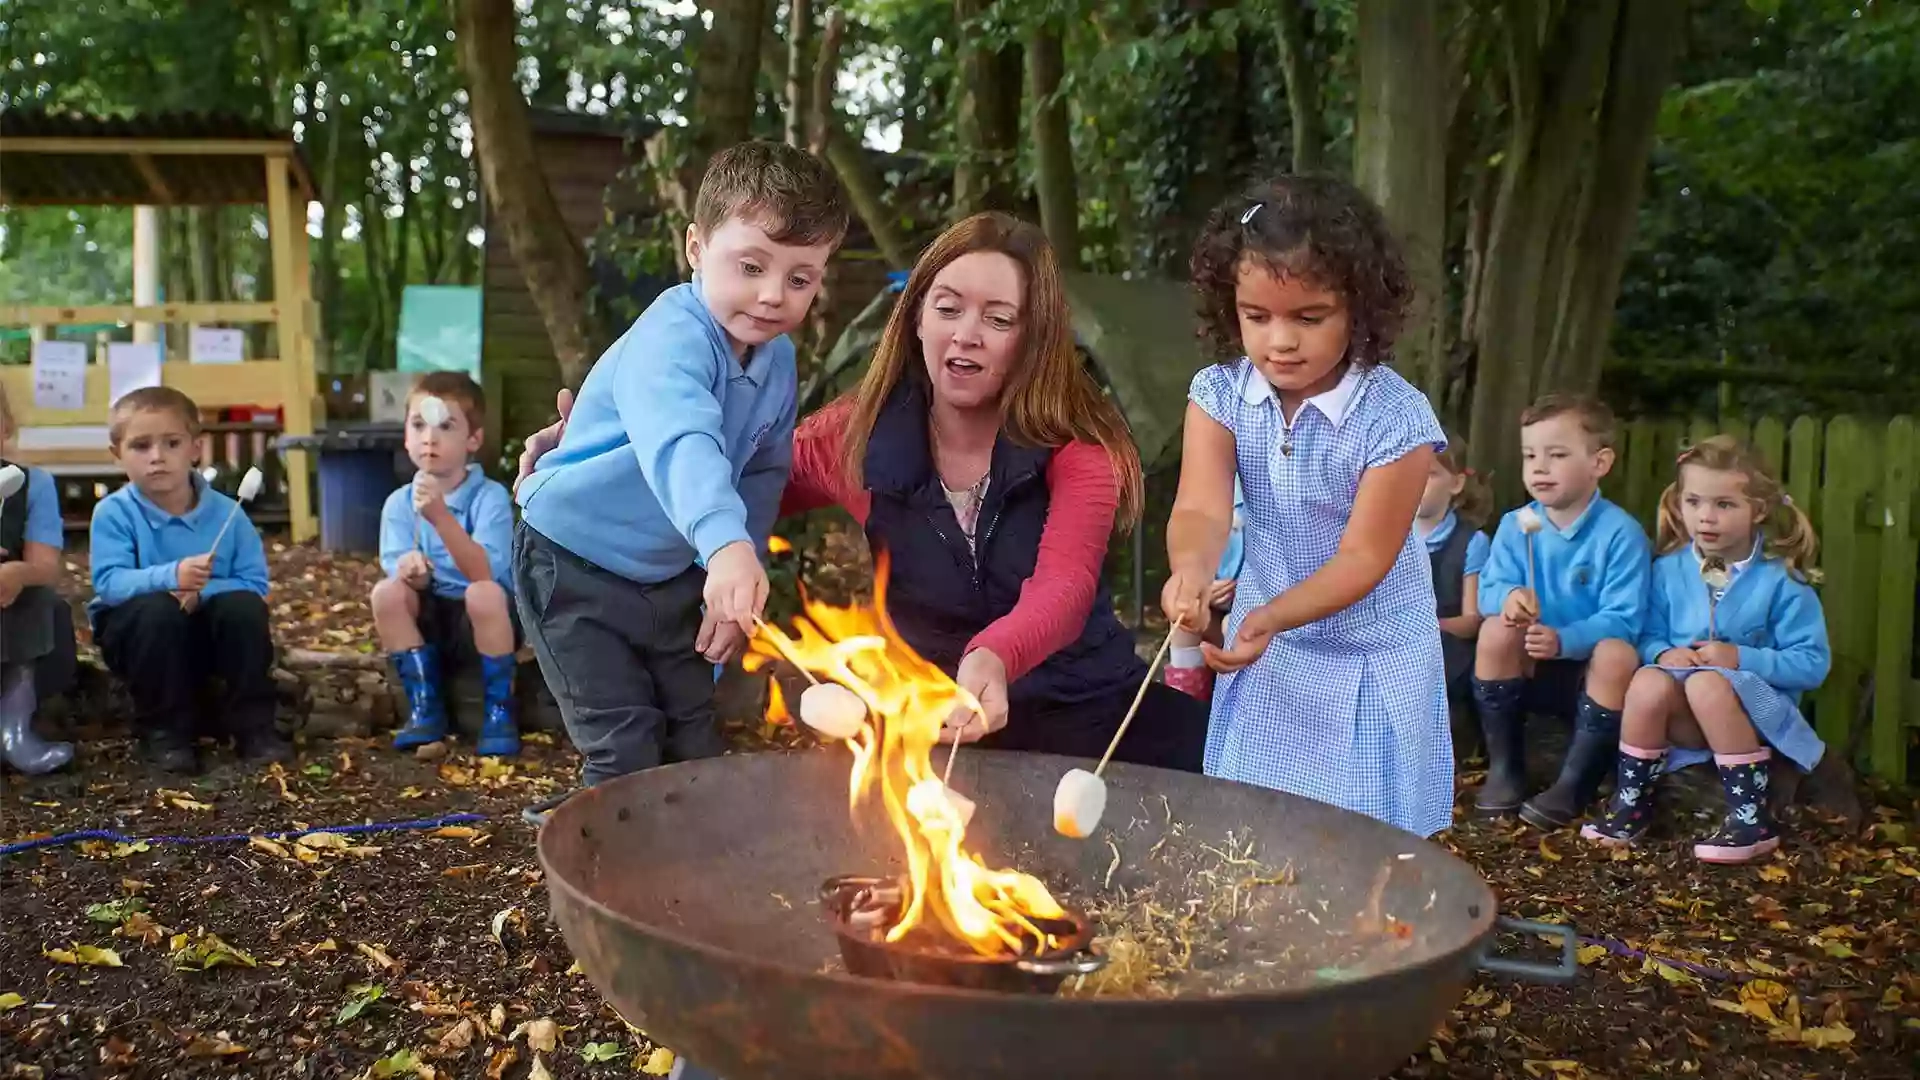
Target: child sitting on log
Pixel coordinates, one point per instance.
(170, 608)
(1734, 635)
(445, 545)
(31, 630)
(1452, 509)
(1564, 592)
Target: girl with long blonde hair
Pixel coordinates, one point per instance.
(1734, 637)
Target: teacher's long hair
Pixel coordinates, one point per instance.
(1050, 400)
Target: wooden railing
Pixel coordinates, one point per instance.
(1857, 480)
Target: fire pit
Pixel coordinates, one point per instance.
(860, 909)
(690, 896)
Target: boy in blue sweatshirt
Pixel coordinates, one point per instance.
(637, 559)
(1566, 645)
(445, 539)
(169, 610)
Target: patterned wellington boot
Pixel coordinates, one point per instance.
(1502, 721)
(1747, 833)
(1596, 734)
(499, 732)
(1631, 808)
(1187, 672)
(419, 671)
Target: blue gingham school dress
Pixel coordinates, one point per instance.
(1350, 710)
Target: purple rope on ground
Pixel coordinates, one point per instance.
(278, 834)
(1622, 949)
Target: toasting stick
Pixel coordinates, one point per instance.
(1530, 524)
(250, 486)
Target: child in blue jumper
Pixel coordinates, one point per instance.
(1567, 645)
(36, 630)
(444, 544)
(168, 609)
(637, 559)
(1734, 636)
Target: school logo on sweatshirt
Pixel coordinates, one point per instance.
(1582, 575)
(760, 435)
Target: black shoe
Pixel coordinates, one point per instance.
(173, 754)
(260, 748)
(1502, 721)
(1590, 758)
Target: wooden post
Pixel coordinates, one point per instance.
(1893, 644)
(290, 276)
(1803, 468)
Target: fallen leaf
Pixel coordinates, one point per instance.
(1667, 971)
(1548, 853)
(361, 996)
(659, 1063)
(121, 851)
(272, 847)
(1590, 954)
(117, 911)
(539, 1070)
(217, 1045)
(90, 955)
(501, 1061)
(411, 792)
(1760, 997)
(542, 1034)
(377, 954)
(471, 870)
(201, 951)
(596, 1052)
(141, 927)
(1819, 1038)
(1761, 967)
(190, 804)
(400, 1063)
(324, 841)
(117, 1053)
(457, 1039)
(1776, 873)
(497, 1019)
(11, 1000)
(456, 832)
(308, 952)
(512, 916)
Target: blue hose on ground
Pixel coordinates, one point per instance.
(278, 834)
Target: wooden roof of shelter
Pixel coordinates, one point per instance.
(163, 159)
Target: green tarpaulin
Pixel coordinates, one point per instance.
(1140, 335)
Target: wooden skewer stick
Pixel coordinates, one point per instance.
(1138, 697)
(791, 659)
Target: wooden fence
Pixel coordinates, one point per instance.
(1857, 479)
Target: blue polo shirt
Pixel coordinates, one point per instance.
(484, 510)
(136, 547)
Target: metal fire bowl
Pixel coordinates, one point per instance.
(688, 894)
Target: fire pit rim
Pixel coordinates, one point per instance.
(751, 965)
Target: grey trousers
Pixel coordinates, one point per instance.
(619, 658)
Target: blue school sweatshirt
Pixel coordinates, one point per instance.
(1592, 575)
(481, 506)
(136, 547)
(1771, 616)
(674, 449)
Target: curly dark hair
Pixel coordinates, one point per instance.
(1316, 227)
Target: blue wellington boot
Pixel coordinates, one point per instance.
(419, 671)
(499, 732)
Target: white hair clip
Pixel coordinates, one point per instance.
(1251, 210)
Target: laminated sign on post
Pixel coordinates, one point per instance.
(59, 374)
(215, 345)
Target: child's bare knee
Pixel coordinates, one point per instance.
(1710, 692)
(486, 600)
(390, 599)
(1614, 664)
(1499, 641)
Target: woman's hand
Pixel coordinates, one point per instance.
(984, 675)
(546, 438)
(1256, 630)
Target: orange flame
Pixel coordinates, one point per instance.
(778, 545)
(907, 699)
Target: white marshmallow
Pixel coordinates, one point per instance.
(1529, 520)
(833, 710)
(12, 479)
(930, 799)
(1078, 803)
(209, 474)
(433, 411)
(251, 484)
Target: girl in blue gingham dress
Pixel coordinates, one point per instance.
(1332, 680)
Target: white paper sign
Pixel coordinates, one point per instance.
(213, 345)
(387, 395)
(131, 365)
(59, 374)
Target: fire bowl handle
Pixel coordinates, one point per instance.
(1078, 964)
(1566, 971)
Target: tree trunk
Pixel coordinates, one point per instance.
(824, 115)
(523, 206)
(1649, 45)
(1303, 80)
(1400, 159)
(987, 123)
(799, 71)
(1554, 98)
(1053, 146)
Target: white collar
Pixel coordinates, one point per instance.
(1335, 404)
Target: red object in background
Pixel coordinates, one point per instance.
(253, 414)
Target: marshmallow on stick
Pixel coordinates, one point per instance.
(832, 710)
(1530, 524)
(1081, 797)
(250, 486)
(12, 479)
(434, 411)
(1717, 576)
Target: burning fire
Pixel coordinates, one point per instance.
(907, 698)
